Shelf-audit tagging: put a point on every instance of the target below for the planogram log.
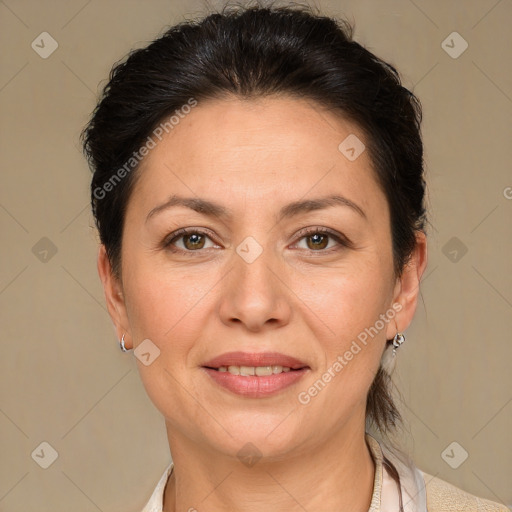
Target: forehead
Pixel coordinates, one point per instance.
(258, 151)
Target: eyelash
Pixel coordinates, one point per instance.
(304, 233)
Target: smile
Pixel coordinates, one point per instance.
(255, 375)
(259, 371)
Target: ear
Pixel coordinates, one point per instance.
(114, 297)
(407, 288)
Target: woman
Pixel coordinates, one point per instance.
(258, 189)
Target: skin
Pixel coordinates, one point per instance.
(254, 157)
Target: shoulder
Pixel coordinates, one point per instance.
(445, 497)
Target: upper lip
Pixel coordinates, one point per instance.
(255, 359)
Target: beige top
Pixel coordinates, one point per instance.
(441, 496)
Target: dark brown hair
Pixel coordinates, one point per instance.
(256, 52)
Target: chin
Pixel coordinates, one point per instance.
(265, 434)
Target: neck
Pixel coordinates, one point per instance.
(338, 475)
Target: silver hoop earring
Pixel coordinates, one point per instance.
(121, 345)
(397, 341)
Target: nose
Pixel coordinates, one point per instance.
(255, 294)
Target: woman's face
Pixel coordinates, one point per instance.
(256, 282)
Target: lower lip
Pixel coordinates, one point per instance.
(256, 387)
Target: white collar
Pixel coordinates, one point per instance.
(156, 502)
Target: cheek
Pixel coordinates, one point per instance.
(347, 305)
(346, 300)
(164, 302)
(167, 309)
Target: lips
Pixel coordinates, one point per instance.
(254, 375)
(255, 360)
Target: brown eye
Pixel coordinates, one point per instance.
(187, 240)
(318, 241)
(193, 241)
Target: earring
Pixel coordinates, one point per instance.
(397, 341)
(388, 360)
(121, 345)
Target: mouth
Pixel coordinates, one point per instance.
(258, 371)
(255, 375)
(255, 360)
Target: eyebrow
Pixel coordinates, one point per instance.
(211, 209)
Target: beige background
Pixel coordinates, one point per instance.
(63, 378)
